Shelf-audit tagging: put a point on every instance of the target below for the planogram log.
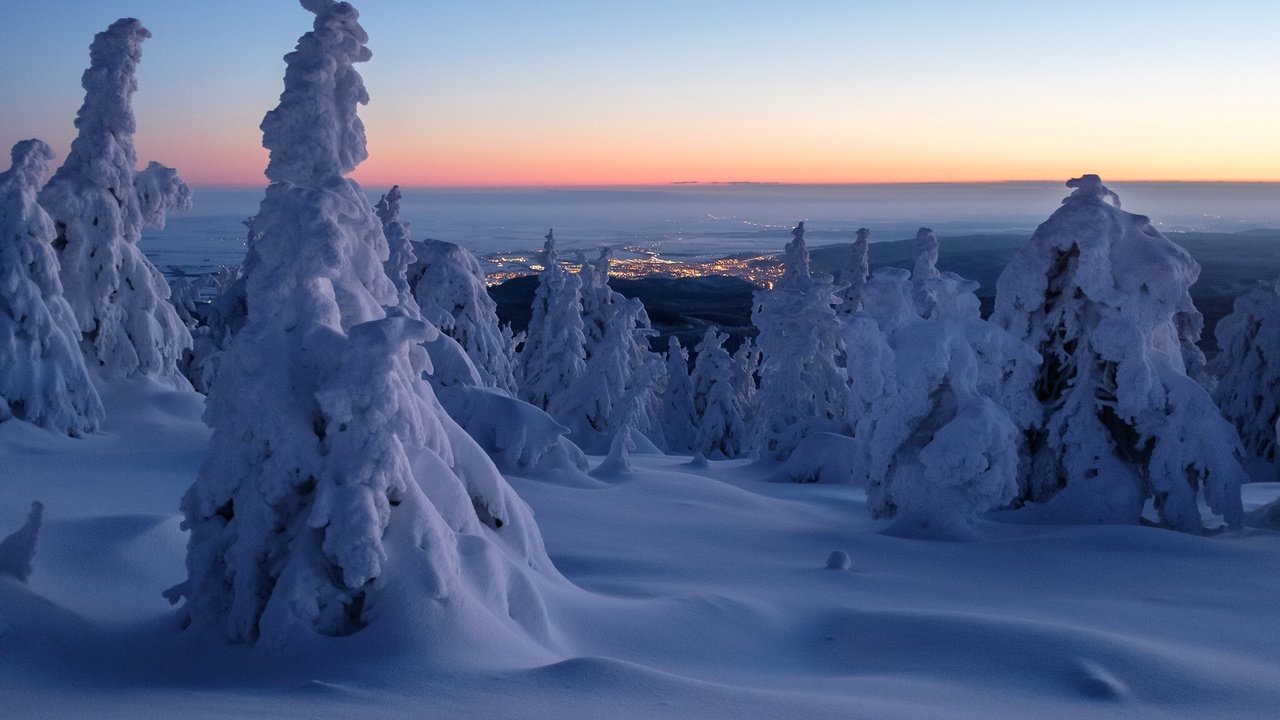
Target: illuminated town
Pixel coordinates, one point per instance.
(633, 263)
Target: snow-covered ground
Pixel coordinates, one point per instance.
(688, 591)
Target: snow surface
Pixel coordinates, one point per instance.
(697, 592)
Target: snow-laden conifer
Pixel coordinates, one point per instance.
(400, 252)
(42, 373)
(597, 296)
(722, 432)
(679, 420)
(924, 268)
(939, 429)
(746, 381)
(1096, 292)
(99, 203)
(802, 387)
(552, 358)
(334, 483)
(1248, 370)
(448, 284)
(855, 274)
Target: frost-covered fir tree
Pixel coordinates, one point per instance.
(335, 485)
(553, 356)
(679, 419)
(746, 383)
(722, 432)
(597, 296)
(1096, 292)
(924, 268)
(399, 248)
(1248, 370)
(802, 386)
(42, 374)
(99, 203)
(945, 401)
(448, 284)
(855, 274)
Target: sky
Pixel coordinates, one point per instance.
(606, 92)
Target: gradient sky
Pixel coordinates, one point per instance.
(556, 92)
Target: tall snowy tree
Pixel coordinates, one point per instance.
(855, 274)
(802, 387)
(722, 432)
(1248, 370)
(597, 296)
(553, 356)
(679, 419)
(448, 283)
(99, 203)
(42, 374)
(924, 268)
(939, 432)
(399, 248)
(1096, 291)
(334, 482)
(746, 366)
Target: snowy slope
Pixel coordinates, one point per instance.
(696, 592)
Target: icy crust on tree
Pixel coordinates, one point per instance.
(43, 379)
(336, 489)
(553, 356)
(1098, 292)
(802, 387)
(855, 274)
(943, 401)
(449, 286)
(1248, 370)
(722, 432)
(679, 419)
(99, 204)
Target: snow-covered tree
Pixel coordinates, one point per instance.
(399, 248)
(938, 441)
(722, 432)
(924, 268)
(746, 366)
(1248, 370)
(1097, 291)
(679, 419)
(597, 296)
(42, 373)
(99, 203)
(802, 386)
(553, 355)
(334, 482)
(855, 274)
(448, 283)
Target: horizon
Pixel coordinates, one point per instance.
(603, 96)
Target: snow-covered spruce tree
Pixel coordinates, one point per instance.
(1248, 370)
(938, 441)
(448, 284)
(99, 203)
(334, 482)
(679, 419)
(400, 253)
(924, 269)
(722, 433)
(746, 366)
(1096, 291)
(855, 275)
(597, 296)
(802, 387)
(552, 358)
(617, 390)
(42, 374)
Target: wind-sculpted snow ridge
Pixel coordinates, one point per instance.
(802, 387)
(43, 379)
(1248, 370)
(448, 283)
(99, 204)
(18, 551)
(1098, 293)
(336, 492)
